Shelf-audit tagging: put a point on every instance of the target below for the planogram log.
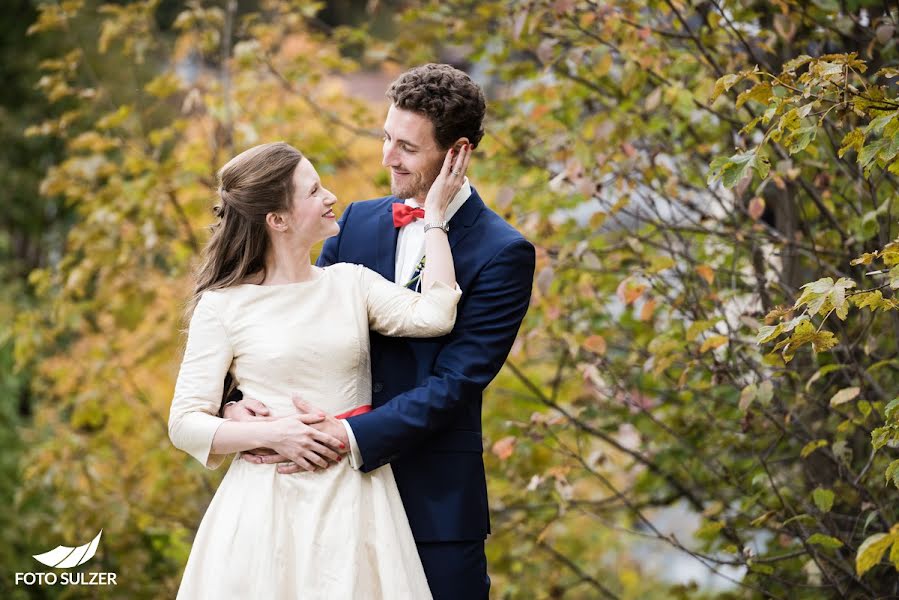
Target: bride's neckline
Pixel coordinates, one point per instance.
(320, 274)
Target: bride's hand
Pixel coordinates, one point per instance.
(294, 439)
(448, 182)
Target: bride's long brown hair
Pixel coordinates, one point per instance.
(251, 185)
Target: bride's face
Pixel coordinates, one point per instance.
(311, 218)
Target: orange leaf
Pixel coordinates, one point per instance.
(629, 291)
(756, 208)
(707, 273)
(595, 344)
(503, 448)
(649, 308)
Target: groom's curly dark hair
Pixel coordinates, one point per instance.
(448, 97)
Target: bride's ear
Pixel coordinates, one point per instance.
(276, 222)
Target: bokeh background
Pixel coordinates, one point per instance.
(702, 399)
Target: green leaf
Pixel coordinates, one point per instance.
(823, 499)
(730, 170)
(811, 447)
(747, 396)
(768, 332)
(892, 473)
(878, 123)
(891, 410)
(825, 541)
(802, 137)
(871, 551)
(825, 370)
(709, 530)
(880, 436)
(765, 393)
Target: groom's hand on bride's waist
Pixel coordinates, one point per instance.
(318, 419)
(328, 425)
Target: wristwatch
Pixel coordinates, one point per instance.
(444, 225)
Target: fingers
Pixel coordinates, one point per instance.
(467, 157)
(257, 407)
(460, 161)
(328, 440)
(310, 419)
(325, 452)
(448, 162)
(315, 459)
(265, 459)
(300, 465)
(259, 451)
(303, 406)
(288, 468)
(300, 404)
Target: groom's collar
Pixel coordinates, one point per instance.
(454, 205)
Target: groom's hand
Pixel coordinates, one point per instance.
(328, 424)
(249, 409)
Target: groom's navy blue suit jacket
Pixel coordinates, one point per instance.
(427, 393)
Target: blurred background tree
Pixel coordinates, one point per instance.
(679, 417)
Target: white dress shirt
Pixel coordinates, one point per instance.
(410, 247)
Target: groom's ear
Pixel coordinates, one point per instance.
(457, 145)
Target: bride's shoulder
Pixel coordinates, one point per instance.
(343, 269)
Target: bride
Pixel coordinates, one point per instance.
(282, 327)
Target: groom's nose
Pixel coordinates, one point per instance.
(389, 158)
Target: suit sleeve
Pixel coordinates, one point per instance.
(487, 324)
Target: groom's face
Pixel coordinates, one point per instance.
(411, 153)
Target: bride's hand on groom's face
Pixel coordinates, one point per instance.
(449, 181)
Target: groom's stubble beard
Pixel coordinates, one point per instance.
(419, 186)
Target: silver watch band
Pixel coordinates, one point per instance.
(444, 225)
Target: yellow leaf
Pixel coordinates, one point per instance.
(811, 447)
(712, 342)
(871, 551)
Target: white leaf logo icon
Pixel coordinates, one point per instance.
(66, 557)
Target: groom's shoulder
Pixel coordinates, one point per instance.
(500, 232)
(371, 206)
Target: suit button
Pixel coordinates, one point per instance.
(377, 387)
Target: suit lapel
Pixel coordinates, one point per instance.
(461, 223)
(387, 234)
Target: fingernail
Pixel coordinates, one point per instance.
(343, 445)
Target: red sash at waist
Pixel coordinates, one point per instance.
(359, 410)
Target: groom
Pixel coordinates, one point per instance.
(427, 393)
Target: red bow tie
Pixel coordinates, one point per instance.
(404, 214)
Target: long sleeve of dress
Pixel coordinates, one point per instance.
(394, 310)
(193, 419)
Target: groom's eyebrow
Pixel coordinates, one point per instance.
(402, 141)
